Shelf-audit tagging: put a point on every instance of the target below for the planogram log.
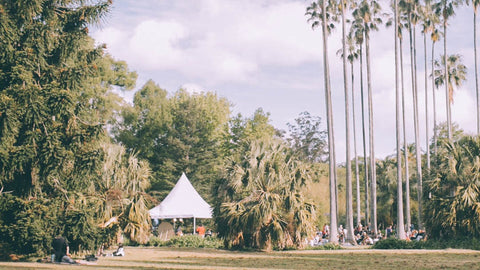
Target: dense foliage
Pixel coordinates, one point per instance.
(260, 202)
(56, 101)
(180, 133)
(453, 204)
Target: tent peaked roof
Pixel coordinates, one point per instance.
(183, 201)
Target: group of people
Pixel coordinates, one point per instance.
(200, 230)
(362, 235)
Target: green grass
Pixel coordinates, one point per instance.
(188, 258)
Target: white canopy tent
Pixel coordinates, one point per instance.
(183, 201)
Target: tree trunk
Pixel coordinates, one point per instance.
(365, 158)
(357, 170)
(371, 137)
(349, 200)
(415, 121)
(476, 64)
(447, 96)
(331, 146)
(427, 136)
(434, 100)
(400, 224)
(405, 145)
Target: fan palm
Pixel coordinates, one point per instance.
(121, 192)
(262, 204)
(454, 205)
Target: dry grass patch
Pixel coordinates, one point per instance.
(177, 258)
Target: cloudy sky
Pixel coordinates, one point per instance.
(263, 53)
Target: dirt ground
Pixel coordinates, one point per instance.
(354, 258)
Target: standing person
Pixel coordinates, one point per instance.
(201, 230)
(61, 250)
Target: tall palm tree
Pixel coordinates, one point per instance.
(426, 12)
(315, 11)
(353, 54)
(446, 9)
(402, 23)
(410, 7)
(369, 12)
(349, 200)
(434, 36)
(400, 224)
(358, 30)
(475, 4)
(456, 74)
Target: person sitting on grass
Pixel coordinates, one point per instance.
(120, 251)
(61, 251)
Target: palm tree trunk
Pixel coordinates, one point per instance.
(415, 120)
(447, 95)
(371, 139)
(349, 200)
(400, 225)
(427, 137)
(357, 170)
(365, 166)
(405, 145)
(476, 64)
(434, 102)
(331, 146)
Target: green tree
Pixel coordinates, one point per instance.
(56, 100)
(307, 139)
(181, 133)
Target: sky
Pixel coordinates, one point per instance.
(264, 54)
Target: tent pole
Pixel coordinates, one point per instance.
(194, 225)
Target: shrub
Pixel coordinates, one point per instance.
(27, 226)
(328, 246)
(191, 241)
(155, 242)
(393, 243)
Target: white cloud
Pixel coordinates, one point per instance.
(264, 53)
(155, 44)
(216, 42)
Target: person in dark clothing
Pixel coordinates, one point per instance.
(61, 250)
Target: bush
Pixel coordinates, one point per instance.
(155, 242)
(27, 226)
(393, 243)
(328, 246)
(191, 241)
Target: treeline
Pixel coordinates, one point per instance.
(75, 160)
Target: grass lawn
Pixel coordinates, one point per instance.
(175, 258)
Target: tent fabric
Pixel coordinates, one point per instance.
(183, 201)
